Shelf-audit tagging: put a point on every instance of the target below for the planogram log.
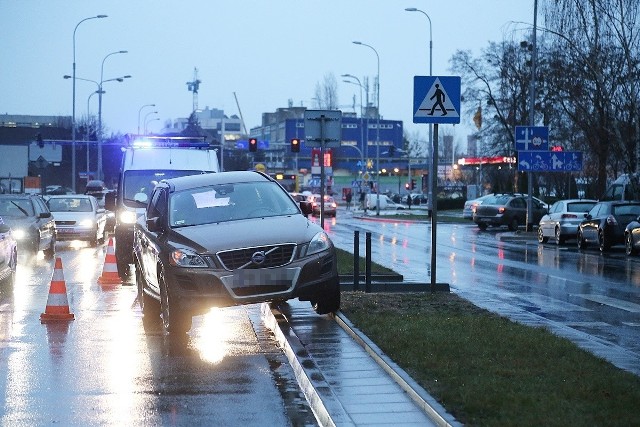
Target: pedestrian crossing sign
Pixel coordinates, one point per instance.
(436, 99)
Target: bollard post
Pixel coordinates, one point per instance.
(356, 260)
(367, 263)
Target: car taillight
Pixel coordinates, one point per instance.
(611, 220)
(501, 209)
(569, 216)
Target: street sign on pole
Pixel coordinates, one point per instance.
(322, 128)
(532, 138)
(549, 161)
(436, 99)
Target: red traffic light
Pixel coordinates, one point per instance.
(253, 144)
(295, 145)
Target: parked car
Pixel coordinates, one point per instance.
(8, 254)
(470, 205)
(605, 224)
(632, 237)
(298, 197)
(507, 210)
(330, 205)
(563, 219)
(31, 222)
(416, 198)
(371, 201)
(227, 239)
(58, 189)
(78, 217)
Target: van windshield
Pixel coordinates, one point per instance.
(144, 181)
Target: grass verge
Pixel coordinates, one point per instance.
(345, 264)
(489, 371)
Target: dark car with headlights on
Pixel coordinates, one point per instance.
(31, 222)
(507, 210)
(8, 254)
(605, 224)
(225, 239)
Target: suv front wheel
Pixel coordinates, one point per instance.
(174, 319)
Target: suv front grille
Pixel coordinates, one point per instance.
(274, 256)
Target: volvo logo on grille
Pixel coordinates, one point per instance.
(258, 257)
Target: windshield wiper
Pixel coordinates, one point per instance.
(20, 207)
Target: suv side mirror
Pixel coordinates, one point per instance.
(110, 201)
(306, 208)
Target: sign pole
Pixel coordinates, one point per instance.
(322, 177)
(434, 206)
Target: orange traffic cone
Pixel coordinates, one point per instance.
(110, 270)
(57, 305)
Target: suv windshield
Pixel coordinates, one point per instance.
(229, 202)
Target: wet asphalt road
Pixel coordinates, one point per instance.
(108, 368)
(591, 298)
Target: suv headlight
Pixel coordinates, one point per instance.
(319, 243)
(186, 258)
(19, 233)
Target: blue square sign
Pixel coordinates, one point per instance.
(436, 99)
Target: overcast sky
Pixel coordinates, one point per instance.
(267, 52)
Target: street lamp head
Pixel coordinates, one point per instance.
(357, 42)
(120, 79)
(346, 75)
(66, 77)
(101, 16)
(411, 9)
(126, 77)
(123, 51)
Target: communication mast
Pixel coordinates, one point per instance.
(193, 87)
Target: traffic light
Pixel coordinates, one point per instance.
(295, 145)
(413, 184)
(407, 185)
(253, 144)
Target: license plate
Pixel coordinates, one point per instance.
(278, 277)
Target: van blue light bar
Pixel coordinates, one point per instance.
(168, 141)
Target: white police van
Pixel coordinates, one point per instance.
(145, 162)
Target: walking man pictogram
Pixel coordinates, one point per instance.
(440, 98)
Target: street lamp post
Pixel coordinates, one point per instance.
(147, 122)
(88, 132)
(377, 127)
(73, 108)
(139, 111)
(397, 172)
(431, 189)
(99, 91)
(362, 124)
(100, 112)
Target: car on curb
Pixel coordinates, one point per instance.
(78, 217)
(225, 239)
(8, 254)
(31, 223)
(562, 220)
(632, 237)
(508, 210)
(606, 223)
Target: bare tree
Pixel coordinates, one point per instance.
(326, 93)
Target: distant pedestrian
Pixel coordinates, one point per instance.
(348, 198)
(409, 201)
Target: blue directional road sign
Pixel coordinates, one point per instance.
(436, 99)
(549, 161)
(243, 144)
(532, 138)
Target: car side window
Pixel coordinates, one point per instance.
(158, 205)
(557, 207)
(518, 202)
(39, 206)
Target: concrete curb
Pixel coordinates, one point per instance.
(323, 402)
(434, 410)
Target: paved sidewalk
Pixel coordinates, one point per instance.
(346, 377)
